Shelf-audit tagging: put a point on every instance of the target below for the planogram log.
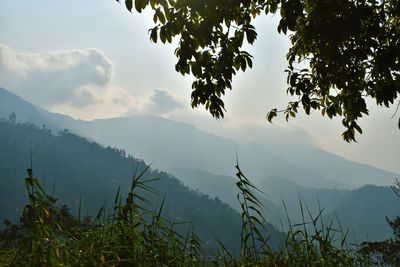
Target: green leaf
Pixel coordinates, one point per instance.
(129, 5)
(153, 35)
(160, 16)
(271, 115)
(358, 128)
(163, 36)
(273, 7)
(138, 5)
(251, 35)
(323, 111)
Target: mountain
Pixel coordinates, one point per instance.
(174, 145)
(83, 173)
(362, 211)
(25, 111)
(282, 190)
(204, 161)
(224, 188)
(334, 167)
(171, 145)
(153, 138)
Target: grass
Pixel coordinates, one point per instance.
(136, 235)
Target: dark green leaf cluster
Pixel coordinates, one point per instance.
(352, 49)
(211, 35)
(349, 50)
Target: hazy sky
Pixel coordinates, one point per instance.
(93, 59)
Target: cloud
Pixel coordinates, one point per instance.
(84, 96)
(54, 78)
(75, 82)
(109, 102)
(162, 102)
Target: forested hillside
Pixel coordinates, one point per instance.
(79, 171)
(152, 138)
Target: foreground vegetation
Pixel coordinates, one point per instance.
(85, 176)
(136, 229)
(133, 235)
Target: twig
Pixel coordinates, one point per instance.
(397, 109)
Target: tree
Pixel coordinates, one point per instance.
(351, 50)
(12, 118)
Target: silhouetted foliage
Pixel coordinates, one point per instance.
(137, 227)
(133, 235)
(341, 51)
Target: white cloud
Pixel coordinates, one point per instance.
(79, 83)
(162, 102)
(54, 78)
(109, 102)
(74, 82)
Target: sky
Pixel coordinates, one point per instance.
(93, 59)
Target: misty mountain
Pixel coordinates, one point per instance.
(205, 162)
(332, 166)
(83, 173)
(224, 188)
(364, 212)
(361, 211)
(25, 111)
(171, 145)
(282, 190)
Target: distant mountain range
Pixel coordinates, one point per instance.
(224, 188)
(205, 162)
(171, 145)
(84, 174)
(360, 211)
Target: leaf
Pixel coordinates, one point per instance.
(271, 115)
(129, 5)
(153, 3)
(249, 62)
(138, 5)
(323, 111)
(163, 36)
(153, 35)
(243, 63)
(358, 128)
(251, 35)
(293, 78)
(273, 7)
(161, 16)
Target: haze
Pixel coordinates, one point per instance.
(93, 59)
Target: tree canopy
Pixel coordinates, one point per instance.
(350, 50)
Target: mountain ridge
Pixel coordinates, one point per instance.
(153, 138)
(89, 176)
